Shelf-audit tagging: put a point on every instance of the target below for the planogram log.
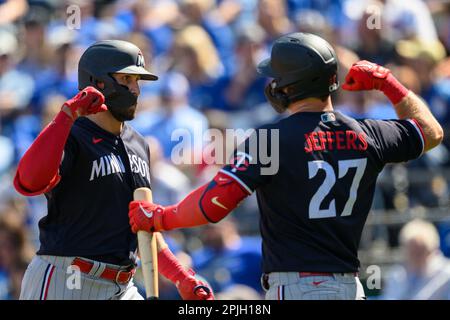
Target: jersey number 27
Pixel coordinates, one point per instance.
(330, 179)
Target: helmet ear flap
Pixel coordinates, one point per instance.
(277, 98)
(95, 82)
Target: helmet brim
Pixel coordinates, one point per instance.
(144, 74)
(264, 68)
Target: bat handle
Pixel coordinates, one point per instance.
(148, 251)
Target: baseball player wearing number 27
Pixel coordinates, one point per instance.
(87, 162)
(314, 207)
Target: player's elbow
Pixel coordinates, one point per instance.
(435, 136)
(20, 186)
(29, 185)
(439, 135)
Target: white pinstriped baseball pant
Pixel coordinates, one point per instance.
(48, 278)
(290, 286)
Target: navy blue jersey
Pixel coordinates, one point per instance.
(314, 206)
(88, 209)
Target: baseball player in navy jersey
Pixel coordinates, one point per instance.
(313, 208)
(87, 162)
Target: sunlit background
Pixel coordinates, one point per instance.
(205, 52)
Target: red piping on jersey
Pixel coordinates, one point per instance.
(421, 131)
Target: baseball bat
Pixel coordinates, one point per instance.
(148, 251)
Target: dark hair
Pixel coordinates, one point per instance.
(291, 90)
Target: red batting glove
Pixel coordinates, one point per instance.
(191, 288)
(365, 75)
(87, 101)
(145, 216)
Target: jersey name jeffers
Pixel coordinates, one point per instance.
(335, 140)
(111, 164)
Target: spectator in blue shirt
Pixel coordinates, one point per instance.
(195, 56)
(16, 88)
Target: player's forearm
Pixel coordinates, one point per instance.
(210, 203)
(365, 75)
(39, 166)
(187, 213)
(187, 285)
(413, 107)
(407, 105)
(169, 266)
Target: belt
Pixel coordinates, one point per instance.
(110, 259)
(265, 276)
(330, 274)
(116, 275)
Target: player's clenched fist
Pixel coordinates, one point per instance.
(145, 216)
(87, 101)
(365, 75)
(191, 288)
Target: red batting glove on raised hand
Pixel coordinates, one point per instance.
(191, 288)
(365, 75)
(145, 216)
(87, 101)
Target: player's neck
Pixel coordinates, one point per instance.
(311, 105)
(107, 122)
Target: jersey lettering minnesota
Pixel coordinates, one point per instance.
(111, 164)
(88, 209)
(313, 209)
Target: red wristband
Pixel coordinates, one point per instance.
(393, 89)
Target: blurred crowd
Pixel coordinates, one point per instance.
(205, 52)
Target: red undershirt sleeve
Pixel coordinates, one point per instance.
(209, 203)
(37, 172)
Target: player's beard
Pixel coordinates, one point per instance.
(121, 103)
(123, 114)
